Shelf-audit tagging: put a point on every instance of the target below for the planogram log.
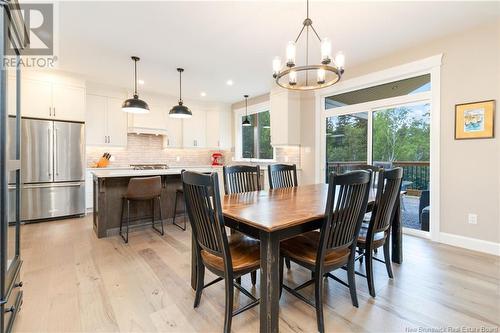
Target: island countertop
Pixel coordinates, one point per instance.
(143, 173)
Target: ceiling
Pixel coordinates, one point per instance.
(222, 40)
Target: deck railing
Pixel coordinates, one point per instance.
(415, 172)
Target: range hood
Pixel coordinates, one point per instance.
(147, 130)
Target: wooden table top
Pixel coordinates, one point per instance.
(278, 209)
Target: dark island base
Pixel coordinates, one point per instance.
(108, 193)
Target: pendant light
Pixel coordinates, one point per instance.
(246, 122)
(180, 110)
(135, 105)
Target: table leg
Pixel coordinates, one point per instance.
(397, 234)
(193, 262)
(269, 285)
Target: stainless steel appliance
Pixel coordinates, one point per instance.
(149, 166)
(52, 169)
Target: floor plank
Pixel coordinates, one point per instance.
(74, 282)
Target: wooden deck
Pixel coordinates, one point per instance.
(74, 282)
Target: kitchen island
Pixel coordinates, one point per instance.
(109, 186)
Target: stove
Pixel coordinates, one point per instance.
(149, 166)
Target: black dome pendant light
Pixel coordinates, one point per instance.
(135, 105)
(246, 122)
(180, 110)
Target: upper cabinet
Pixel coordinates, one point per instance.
(47, 100)
(218, 127)
(194, 129)
(106, 123)
(285, 118)
(173, 139)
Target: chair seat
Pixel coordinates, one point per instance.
(304, 248)
(245, 254)
(378, 238)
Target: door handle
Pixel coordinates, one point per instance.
(49, 159)
(54, 111)
(109, 139)
(50, 111)
(56, 155)
(48, 185)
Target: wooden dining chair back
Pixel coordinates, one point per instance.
(205, 213)
(388, 190)
(282, 175)
(345, 208)
(241, 178)
(228, 258)
(377, 233)
(375, 173)
(335, 245)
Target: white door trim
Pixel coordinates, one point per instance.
(430, 65)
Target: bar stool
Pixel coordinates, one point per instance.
(179, 193)
(142, 189)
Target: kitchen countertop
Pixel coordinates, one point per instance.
(109, 173)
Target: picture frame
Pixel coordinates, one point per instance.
(475, 120)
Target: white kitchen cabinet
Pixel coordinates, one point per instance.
(47, 100)
(285, 118)
(95, 122)
(36, 99)
(106, 123)
(218, 127)
(68, 102)
(194, 130)
(173, 139)
(116, 123)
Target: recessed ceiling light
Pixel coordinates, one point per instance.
(203, 94)
(140, 81)
(229, 82)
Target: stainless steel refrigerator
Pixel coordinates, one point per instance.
(52, 169)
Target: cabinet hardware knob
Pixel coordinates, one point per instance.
(19, 285)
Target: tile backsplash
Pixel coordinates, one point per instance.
(148, 149)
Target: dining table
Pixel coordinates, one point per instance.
(277, 214)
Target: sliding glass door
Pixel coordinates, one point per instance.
(389, 132)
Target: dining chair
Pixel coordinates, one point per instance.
(334, 246)
(226, 257)
(240, 179)
(377, 233)
(282, 175)
(142, 189)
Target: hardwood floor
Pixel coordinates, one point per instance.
(74, 282)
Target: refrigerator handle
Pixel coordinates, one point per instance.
(56, 155)
(50, 152)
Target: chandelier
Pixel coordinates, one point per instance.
(308, 77)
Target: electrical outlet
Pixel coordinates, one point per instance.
(472, 218)
(178, 158)
(286, 159)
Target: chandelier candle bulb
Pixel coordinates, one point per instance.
(276, 65)
(290, 54)
(326, 50)
(340, 60)
(321, 76)
(292, 78)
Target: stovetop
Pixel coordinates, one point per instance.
(149, 166)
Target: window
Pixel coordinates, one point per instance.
(256, 139)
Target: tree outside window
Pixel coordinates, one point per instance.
(256, 139)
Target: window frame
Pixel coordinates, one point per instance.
(238, 114)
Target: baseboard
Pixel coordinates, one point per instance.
(470, 243)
